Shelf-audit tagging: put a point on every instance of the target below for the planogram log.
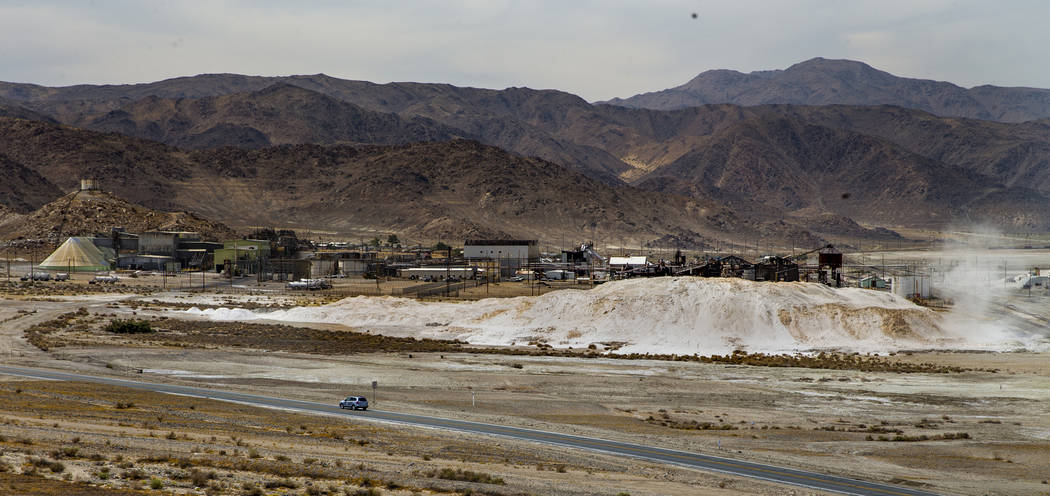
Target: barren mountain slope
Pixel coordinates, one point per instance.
(809, 170)
(9, 108)
(617, 144)
(138, 170)
(600, 141)
(21, 188)
(453, 191)
(449, 190)
(821, 81)
(484, 114)
(1013, 154)
(181, 87)
(279, 114)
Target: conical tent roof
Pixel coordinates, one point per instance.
(76, 255)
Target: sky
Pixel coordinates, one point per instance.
(595, 49)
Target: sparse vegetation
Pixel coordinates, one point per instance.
(466, 476)
(119, 326)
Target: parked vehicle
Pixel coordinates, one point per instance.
(103, 280)
(310, 284)
(61, 276)
(517, 278)
(354, 403)
(37, 276)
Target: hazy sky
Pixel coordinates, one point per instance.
(597, 50)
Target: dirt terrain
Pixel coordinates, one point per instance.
(984, 430)
(88, 213)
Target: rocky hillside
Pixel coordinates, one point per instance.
(96, 212)
(276, 115)
(807, 170)
(822, 81)
(490, 116)
(429, 191)
(22, 189)
(1010, 154)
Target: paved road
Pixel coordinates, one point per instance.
(772, 473)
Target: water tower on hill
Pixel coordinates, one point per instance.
(89, 185)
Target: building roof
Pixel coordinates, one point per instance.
(500, 242)
(636, 260)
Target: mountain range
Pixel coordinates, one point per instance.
(822, 81)
(769, 163)
(446, 190)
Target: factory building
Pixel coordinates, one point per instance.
(244, 254)
(509, 255)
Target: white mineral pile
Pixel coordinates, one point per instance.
(659, 315)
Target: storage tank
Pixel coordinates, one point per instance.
(829, 257)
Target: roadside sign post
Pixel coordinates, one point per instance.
(375, 384)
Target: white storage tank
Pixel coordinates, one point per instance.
(912, 286)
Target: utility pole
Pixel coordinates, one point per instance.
(234, 263)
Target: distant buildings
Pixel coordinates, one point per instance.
(506, 255)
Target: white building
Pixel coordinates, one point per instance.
(507, 254)
(621, 262)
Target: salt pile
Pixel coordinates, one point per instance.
(659, 315)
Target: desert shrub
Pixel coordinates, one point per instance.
(156, 483)
(134, 475)
(287, 483)
(54, 466)
(465, 476)
(252, 490)
(129, 326)
(70, 452)
(200, 479)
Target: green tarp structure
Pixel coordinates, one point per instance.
(76, 255)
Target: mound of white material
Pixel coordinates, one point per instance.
(660, 315)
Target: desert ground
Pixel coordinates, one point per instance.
(948, 421)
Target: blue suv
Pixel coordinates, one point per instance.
(354, 403)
